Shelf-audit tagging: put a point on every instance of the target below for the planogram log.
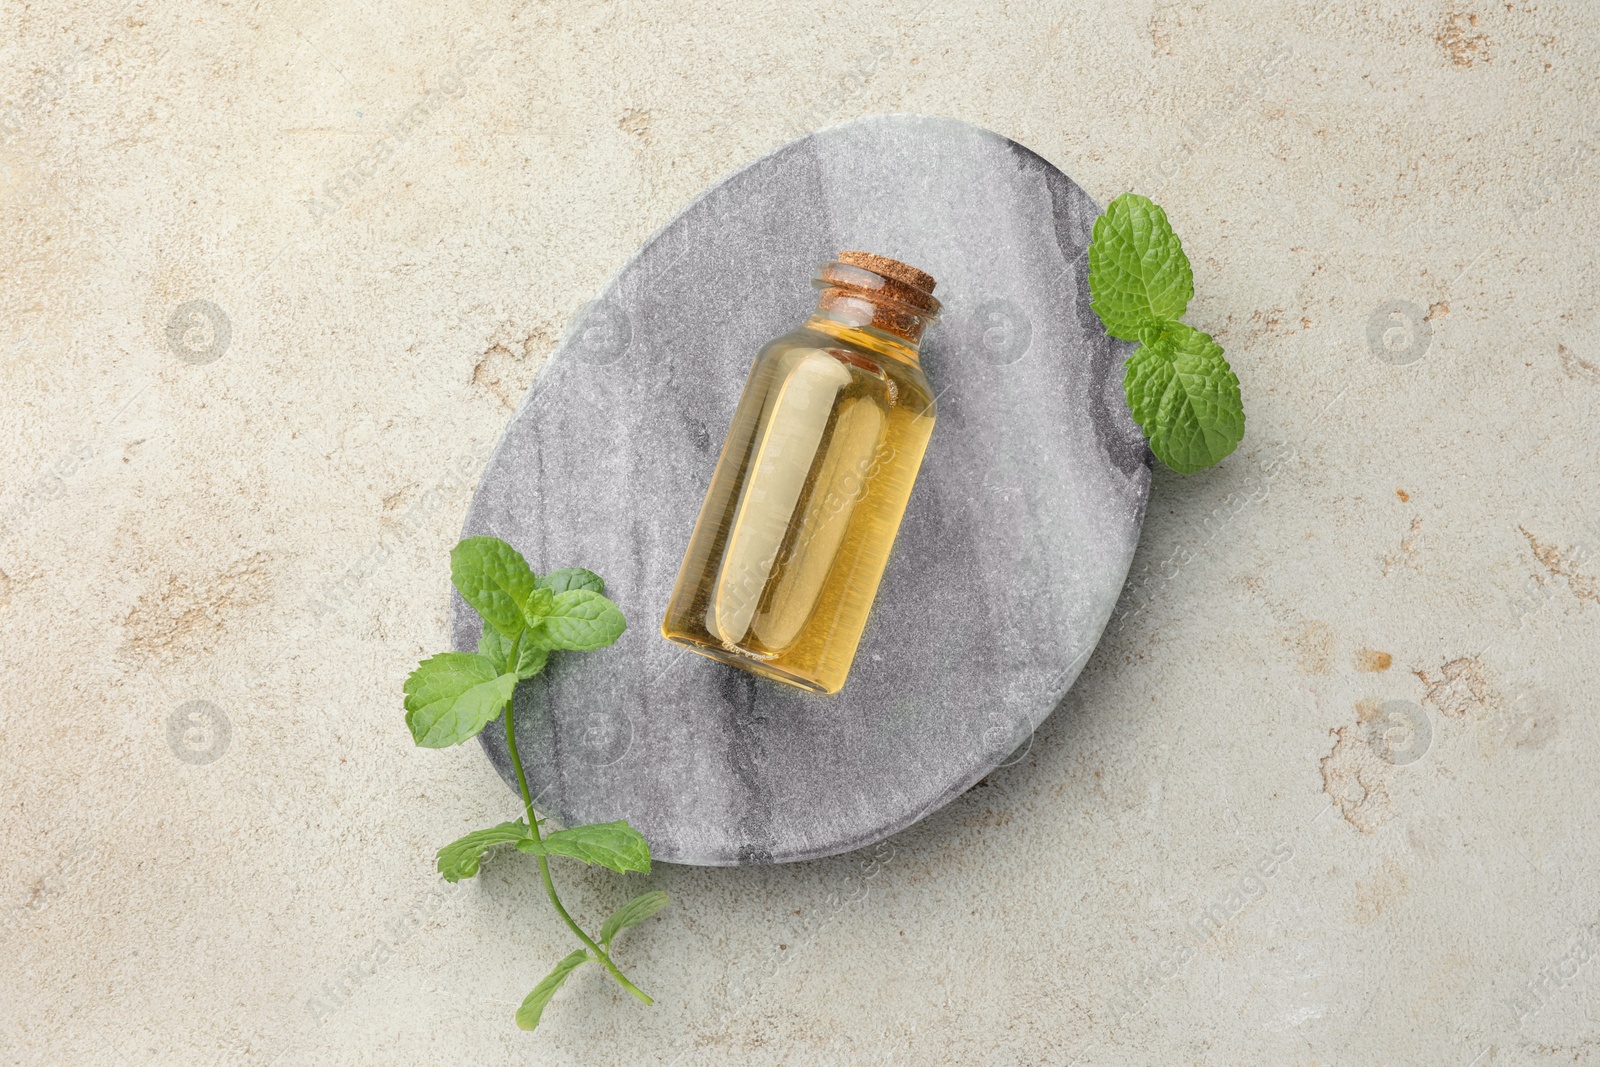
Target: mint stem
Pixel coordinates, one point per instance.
(544, 863)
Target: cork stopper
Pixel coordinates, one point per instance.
(898, 295)
(904, 273)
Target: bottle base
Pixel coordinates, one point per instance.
(753, 666)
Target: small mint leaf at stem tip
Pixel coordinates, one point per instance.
(538, 605)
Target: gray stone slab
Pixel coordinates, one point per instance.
(1012, 554)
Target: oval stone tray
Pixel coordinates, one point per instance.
(1011, 556)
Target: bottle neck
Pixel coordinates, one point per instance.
(857, 311)
(854, 326)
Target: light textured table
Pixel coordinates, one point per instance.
(1326, 793)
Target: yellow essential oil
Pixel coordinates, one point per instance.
(803, 507)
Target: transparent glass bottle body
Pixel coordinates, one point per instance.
(797, 525)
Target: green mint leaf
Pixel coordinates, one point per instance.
(531, 654)
(1180, 389)
(540, 601)
(1184, 396)
(571, 578)
(632, 913)
(452, 696)
(495, 579)
(533, 1006)
(581, 620)
(614, 845)
(1137, 270)
(460, 859)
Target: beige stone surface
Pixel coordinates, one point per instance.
(1327, 793)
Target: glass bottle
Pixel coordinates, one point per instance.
(806, 499)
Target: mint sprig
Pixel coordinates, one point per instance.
(1180, 389)
(451, 697)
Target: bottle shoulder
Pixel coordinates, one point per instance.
(909, 382)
